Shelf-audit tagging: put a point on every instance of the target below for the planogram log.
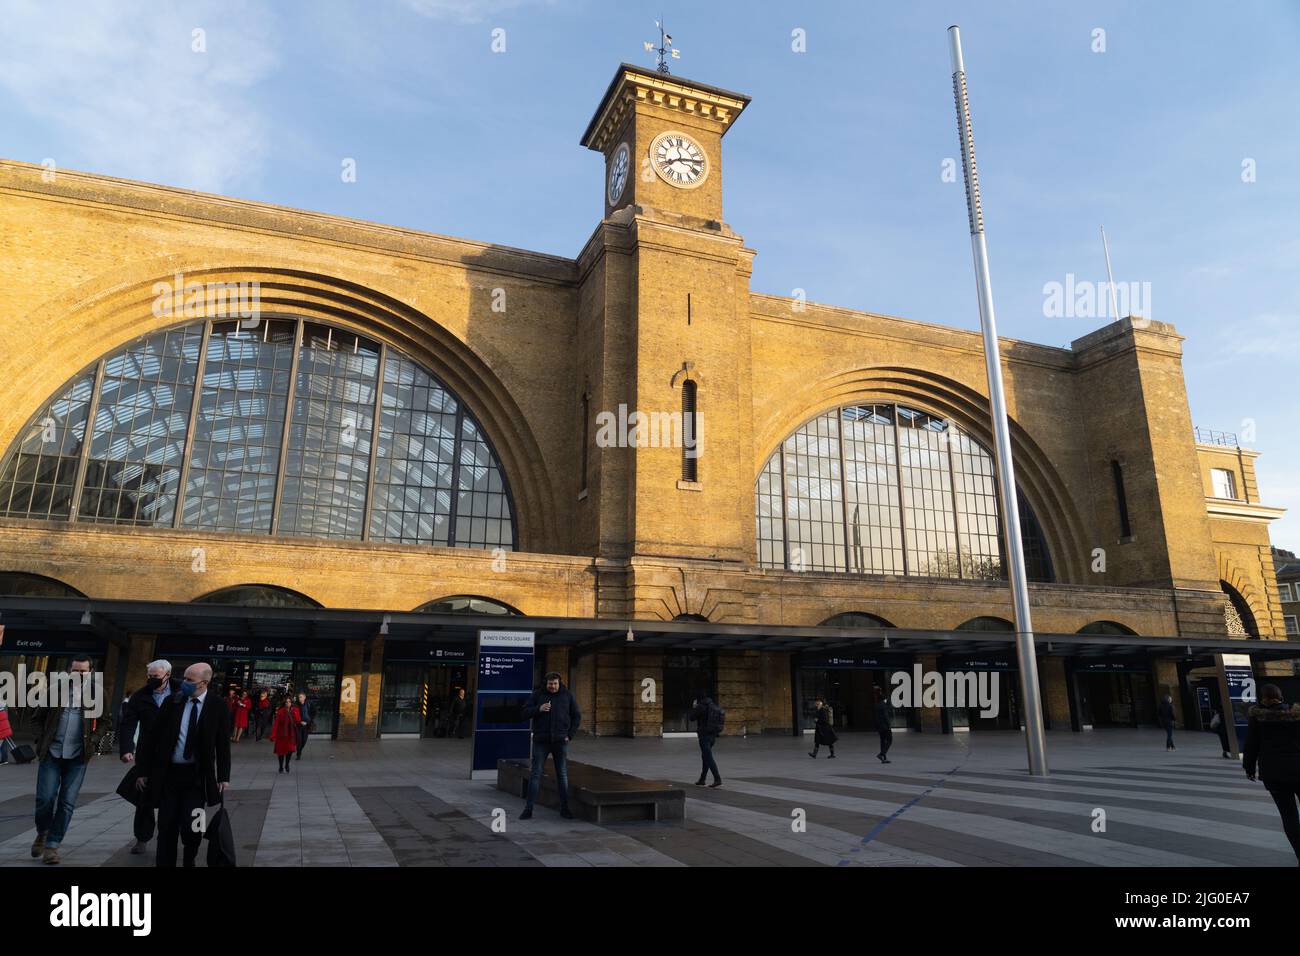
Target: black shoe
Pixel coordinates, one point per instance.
(832, 756)
(880, 757)
(527, 814)
(564, 812)
(716, 783)
(701, 781)
(812, 753)
(884, 760)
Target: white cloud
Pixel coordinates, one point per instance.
(120, 86)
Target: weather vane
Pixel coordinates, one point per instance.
(665, 48)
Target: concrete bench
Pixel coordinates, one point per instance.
(598, 795)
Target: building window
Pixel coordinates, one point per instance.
(1121, 499)
(586, 436)
(886, 489)
(1284, 592)
(690, 434)
(288, 427)
(1225, 483)
(1292, 627)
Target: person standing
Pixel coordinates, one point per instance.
(1166, 715)
(186, 766)
(1273, 750)
(710, 719)
(555, 717)
(140, 712)
(284, 734)
(304, 716)
(68, 737)
(884, 723)
(824, 730)
(456, 712)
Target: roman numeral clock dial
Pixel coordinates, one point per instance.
(678, 160)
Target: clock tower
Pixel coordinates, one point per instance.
(664, 335)
(662, 140)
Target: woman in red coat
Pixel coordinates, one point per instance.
(240, 715)
(284, 734)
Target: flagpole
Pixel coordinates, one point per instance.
(1035, 739)
(1110, 276)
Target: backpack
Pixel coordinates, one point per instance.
(715, 720)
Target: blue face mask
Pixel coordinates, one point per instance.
(188, 687)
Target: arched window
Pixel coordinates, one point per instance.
(20, 584)
(1237, 616)
(467, 604)
(257, 595)
(1106, 627)
(887, 489)
(986, 624)
(285, 427)
(855, 619)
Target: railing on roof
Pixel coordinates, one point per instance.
(1207, 436)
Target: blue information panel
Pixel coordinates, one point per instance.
(505, 683)
(1241, 691)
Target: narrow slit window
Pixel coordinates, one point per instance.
(1117, 472)
(690, 434)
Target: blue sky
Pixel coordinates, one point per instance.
(833, 173)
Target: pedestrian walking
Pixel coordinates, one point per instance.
(1220, 726)
(1273, 751)
(304, 723)
(555, 716)
(284, 734)
(6, 737)
(262, 713)
(710, 721)
(456, 714)
(884, 715)
(240, 716)
(139, 714)
(186, 766)
(1166, 714)
(68, 738)
(824, 729)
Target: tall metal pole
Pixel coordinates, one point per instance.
(1110, 277)
(1035, 740)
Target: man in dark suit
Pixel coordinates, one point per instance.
(141, 710)
(186, 765)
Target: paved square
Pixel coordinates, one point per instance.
(953, 800)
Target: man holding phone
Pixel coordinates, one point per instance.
(555, 718)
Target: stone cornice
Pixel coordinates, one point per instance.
(1226, 508)
(633, 85)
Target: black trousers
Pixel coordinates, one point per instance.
(1285, 796)
(143, 823)
(886, 740)
(302, 739)
(182, 794)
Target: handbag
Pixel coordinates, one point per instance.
(127, 789)
(221, 838)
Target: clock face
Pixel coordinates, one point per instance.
(618, 167)
(678, 160)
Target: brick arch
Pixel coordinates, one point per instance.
(118, 309)
(1231, 573)
(1037, 477)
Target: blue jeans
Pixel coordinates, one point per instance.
(706, 757)
(58, 781)
(558, 749)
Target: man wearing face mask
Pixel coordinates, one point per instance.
(139, 712)
(185, 764)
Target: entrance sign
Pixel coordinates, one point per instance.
(505, 682)
(1241, 691)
